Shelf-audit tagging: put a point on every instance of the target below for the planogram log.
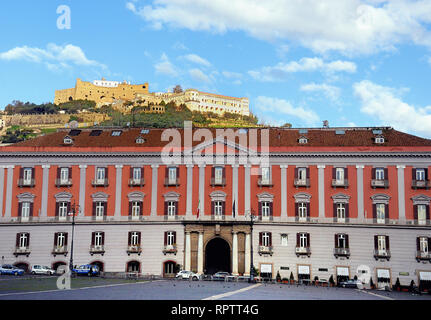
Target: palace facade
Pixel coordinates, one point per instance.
(323, 201)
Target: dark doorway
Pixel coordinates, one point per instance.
(217, 256)
(22, 265)
(99, 264)
(59, 267)
(133, 266)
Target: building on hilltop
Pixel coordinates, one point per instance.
(326, 202)
(114, 93)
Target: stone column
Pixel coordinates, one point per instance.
(284, 191)
(202, 189)
(45, 185)
(118, 188)
(187, 255)
(321, 169)
(154, 188)
(1, 190)
(360, 178)
(247, 257)
(82, 184)
(201, 253)
(235, 188)
(8, 208)
(234, 253)
(401, 195)
(189, 204)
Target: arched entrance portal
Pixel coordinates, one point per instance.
(217, 256)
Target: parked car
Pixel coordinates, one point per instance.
(184, 274)
(86, 269)
(221, 275)
(11, 270)
(38, 269)
(357, 284)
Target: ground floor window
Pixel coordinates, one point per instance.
(133, 266)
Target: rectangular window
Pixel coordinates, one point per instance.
(381, 243)
(423, 244)
(381, 214)
(64, 175)
(420, 174)
(170, 238)
(218, 208)
(62, 210)
(98, 239)
(341, 241)
(100, 209)
(303, 240)
(422, 215)
(302, 174)
(266, 175)
(341, 211)
(134, 238)
(61, 239)
(100, 175)
(27, 175)
(266, 239)
(136, 209)
(218, 175)
(302, 210)
(137, 174)
(380, 174)
(339, 175)
(284, 238)
(23, 240)
(25, 210)
(172, 175)
(172, 208)
(266, 209)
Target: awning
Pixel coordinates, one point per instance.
(303, 270)
(342, 271)
(266, 268)
(425, 276)
(383, 273)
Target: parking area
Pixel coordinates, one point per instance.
(44, 288)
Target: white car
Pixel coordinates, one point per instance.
(187, 275)
(38, 269)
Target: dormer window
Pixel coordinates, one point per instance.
(303, 140)
(140, 140)
(67, 140)
(379, 140)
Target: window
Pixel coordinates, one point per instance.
(172, 175)
(423, 244)
(266, 175)
(420, 175)
(60, 239)
(379, 140)
(381, 243)
(380, 174)
(303, 240)
(100, 209)
(302, 210)
(64, 175)
(284, 239)
(25, 210)
(302, 174)
(218, 208)
(116, 133)
(341, 211)
(218, 175)
(27, 175)
(136, 209)
(137, 174)
(62, 210)
(381, 212)
(266, 239)
(172, 208)
(266, 209)
(339, 175)
(100, 175)
(23, 240)
(422, 215)
(303, 140)
(135, 238)
(341, 241)
(170, 238)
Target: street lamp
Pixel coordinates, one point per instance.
(73, 209)
(252, 218)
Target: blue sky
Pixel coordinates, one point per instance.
(352, 62)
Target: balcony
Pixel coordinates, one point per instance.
(266, 218)
(340, 183)
(100, 249)
(171, 217)
(264, 183)
(342, 252)
(26, 183)
(377, 183)
(59, 251)
(302, 219)
(301, 183)
(302, 251)
(265, 250)
(218, 182)
(170, 249)
(137, 182)
(421, 256)
(134, 249)
(172, 182)
(21, 251)
(100, 182)
(421, 184)
(218, 217)
(63, 183)
(382, 254)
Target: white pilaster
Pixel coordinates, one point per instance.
(235, 253)
(247, 257)
(201, 253)
(360, 177)
(82, 194)
(45, 185)
(8, 208)
(187, 256)
(321, 170)
(284, 191)
(235, 188)
(202, 189)
(189, 200)
(401, 194)
(247, 207)
(1, 190)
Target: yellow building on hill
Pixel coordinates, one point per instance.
(100, 91)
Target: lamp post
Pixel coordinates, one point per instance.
(73, 209)
(252, 218)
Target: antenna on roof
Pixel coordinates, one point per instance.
(325, 124)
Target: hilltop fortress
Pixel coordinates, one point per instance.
(115, 93)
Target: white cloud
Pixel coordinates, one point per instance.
(199, 76)
(281, 70)
(197, 59)
(275, 108)
(383, 104)
(331, 92)
(348, 26)
(165, 67)
(55, 57)
(232, 75)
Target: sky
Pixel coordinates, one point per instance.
(352, 62)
